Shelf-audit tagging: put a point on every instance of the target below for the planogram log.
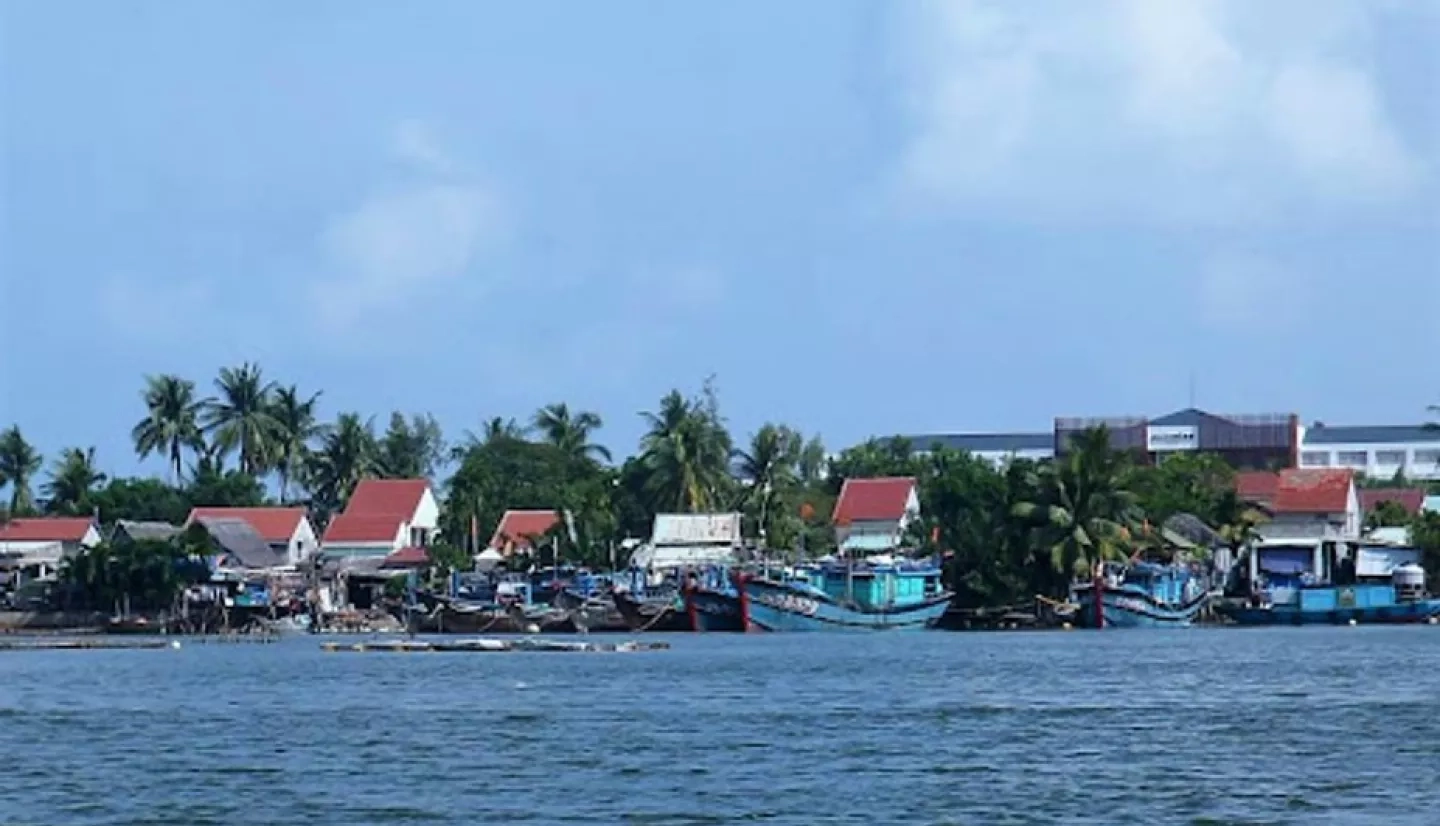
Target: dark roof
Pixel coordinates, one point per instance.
(1189, 417)
(1370, 434)
(1411, 499)
(239, 540)
(141, 531)
(985, 442)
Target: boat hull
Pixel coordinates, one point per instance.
(709, 610)
(776, 607)
(1402, 613)
(659, 615)
(1128, 608)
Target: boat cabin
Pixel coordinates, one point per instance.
(876, 586)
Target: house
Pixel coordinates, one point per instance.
(365, 535)
(1258, 487)
(126, 531)
(286, 530)
(1412, 500)
(237, 545)
(681, 540)
(871, 515)
(37, 545)
(518, 527)
(1315, 504)
(410, 499)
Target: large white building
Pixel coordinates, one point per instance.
(1381, 451)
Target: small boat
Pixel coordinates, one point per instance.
(1140, 595)
(1403, 600)
(880, 595)
(660, 613)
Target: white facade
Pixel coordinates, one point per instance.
(1343, 526)
(423, 524)
(303, 543)
(878, 534)
(1417, 458)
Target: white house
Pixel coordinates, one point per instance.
(384, 517)
(871, 515)
(286, 530)
(1377, 451)
(1314, 503)
(37, 545)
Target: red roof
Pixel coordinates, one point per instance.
(399, 497)
(873, 500)
(517, 526)
(273, 524)
(46, 529)
(361, 527)
(407, 557)
(1257, 486)
(1411, 499)
(1314, 490)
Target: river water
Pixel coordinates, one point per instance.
(1274, 726)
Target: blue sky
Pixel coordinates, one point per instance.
(863, 217)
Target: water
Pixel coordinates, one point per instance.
(1275, 726)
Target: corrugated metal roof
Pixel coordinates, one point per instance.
(696, 528)
(868, 542)
(1371, 434)
(239, 540)
(142, 531)
(985, 442)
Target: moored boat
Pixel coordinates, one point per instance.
(1140, 595)
(1403, 600)
(660, 613)
(880, 596)
(713, 603)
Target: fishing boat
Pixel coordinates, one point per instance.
(713, 602)
(652, 612)
(1140, 595)
(1327, 584)
(881, 594)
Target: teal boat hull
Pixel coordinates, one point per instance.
(774, 606)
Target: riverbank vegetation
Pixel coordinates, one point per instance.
(1008, 533)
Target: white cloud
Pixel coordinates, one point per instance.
(1184, 108)
(397, 244)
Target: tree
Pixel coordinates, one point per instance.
(296, 427)
(769, 470)
(19, 462)
(73, 480)
(411, 449)
(1087, 515)
(687, 453)
(144, 500)
(1387, 514)
(571, 433)
(241, 416)
(171, 424)
(1191, 483)
(347, 453)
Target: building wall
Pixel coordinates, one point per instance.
(1380, 460)
(303, 544)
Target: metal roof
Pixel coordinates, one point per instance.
(1371, 434)
(985, 442)
(238, 539)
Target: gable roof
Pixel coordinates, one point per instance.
(1257, 486)
(364, 528)
(883, 499)
(1314, 490)
(376, 497)
(407, 557)
(274, 524)
(46, 529)
(241, 542)
(146, 531)
(1189, 417)
(516, 526)
(1411, 499)
(1320, 434)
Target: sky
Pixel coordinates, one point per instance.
(861, 217)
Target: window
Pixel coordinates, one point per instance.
(1390, 458)
(1427, 457)
(1315, 458)
(1352, 458)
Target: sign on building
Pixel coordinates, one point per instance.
(696, 529)
(1160, 438)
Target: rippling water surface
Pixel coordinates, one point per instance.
(1276, 726)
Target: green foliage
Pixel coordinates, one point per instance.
(1191, 483)
(686, 453)
(72, 485)
(150, 573)
(172, 421)
(1388, 514)
(19, 462)
(411, 448)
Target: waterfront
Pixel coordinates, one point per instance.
(1278, 726)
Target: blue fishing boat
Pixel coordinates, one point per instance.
(1140, 595)
(713, 603)
(884, 596)
(1328, 584)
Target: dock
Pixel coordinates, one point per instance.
(490, 645)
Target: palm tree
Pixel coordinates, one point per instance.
(72, 482)
(19, 462)
(171, 424)
(241, 416)
(770, 469)
(347, 453)
(686, 453)
(295, 428)
(1086, 515)
(571, 432)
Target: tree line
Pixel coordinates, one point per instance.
(1008, 532)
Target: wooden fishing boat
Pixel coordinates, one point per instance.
(890, 596)
(661, 613)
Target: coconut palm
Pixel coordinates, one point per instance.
(686, 452)
(171, 424)
(570, 432)
(769, 469)
(19, 462)
(295, 429)
(1086, 515)
(240, 416)
(347, 453)
(72, 484)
